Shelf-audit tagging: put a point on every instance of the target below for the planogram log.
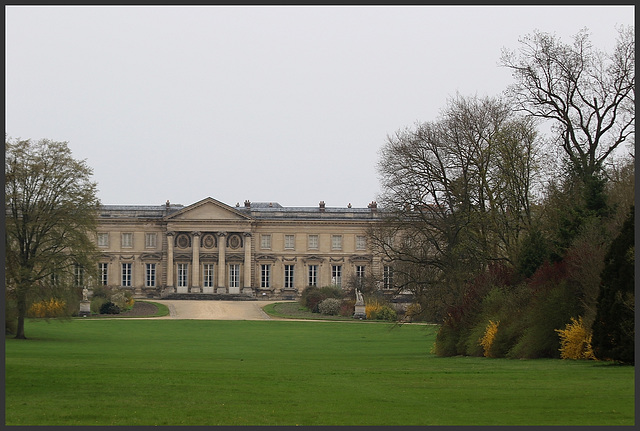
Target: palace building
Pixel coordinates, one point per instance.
(255, 250)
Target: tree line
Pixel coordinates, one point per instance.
(495, 227)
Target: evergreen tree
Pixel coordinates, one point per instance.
(613, 329)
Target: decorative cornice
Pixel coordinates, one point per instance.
(360, 258)
(151, 256)
(313, 258)
(267, 257)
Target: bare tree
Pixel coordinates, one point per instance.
(456, 195)
(589, 95)
(51, 217)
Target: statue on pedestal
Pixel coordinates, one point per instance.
(360, 309)
(85, 304)
(359, 299)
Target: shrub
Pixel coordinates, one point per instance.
(372, 309)
(109, 308)
(387, 313)
(330, 306)
(378, 311)
(51, 308)
(347, 307)
(489, 337)
(551, 309)
(614, 325)
(122, 299)
(96, 303)
(312, 296)
(446, 339)
(575, 341)
(101, 291)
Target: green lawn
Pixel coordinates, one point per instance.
(199, 372)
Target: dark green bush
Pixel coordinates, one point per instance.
(613, 329)
(109, 308)
(446, 340)
(552, 309)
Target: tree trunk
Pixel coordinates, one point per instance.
(22, 311)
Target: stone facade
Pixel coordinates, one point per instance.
(257, 250)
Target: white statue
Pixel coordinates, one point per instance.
(359, 298)
(85, 293)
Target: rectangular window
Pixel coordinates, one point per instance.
(313, 275)
(361, 242)
(265, 241)
(150, 240)
(183, 274)
(289, 242)
(336, 275)
(288, 276)
(234, 275)
(126, 275)
(360, 270)
(265, 276)
(151, 275)
(103, 239)
(78, 275)
(207, 275)
(127, 240)
(102, 269)
(313, 242)
(387, 280)
(336, 242)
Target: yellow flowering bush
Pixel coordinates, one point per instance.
(575, 340)
(372, 309)
(489, 337)
(51, 308)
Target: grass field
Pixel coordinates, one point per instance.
(200, 372)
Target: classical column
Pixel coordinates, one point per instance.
(195, 274)
(247, 260)
(170, 261)
(222, 262)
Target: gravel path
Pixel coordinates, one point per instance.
(215, 310)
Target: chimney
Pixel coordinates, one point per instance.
(167, 204)
(321, 206)
(247, 204)
(373, 206)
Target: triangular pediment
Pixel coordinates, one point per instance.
(208, 209)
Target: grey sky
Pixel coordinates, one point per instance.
(274, 103)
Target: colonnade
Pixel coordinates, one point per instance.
(222, 263)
